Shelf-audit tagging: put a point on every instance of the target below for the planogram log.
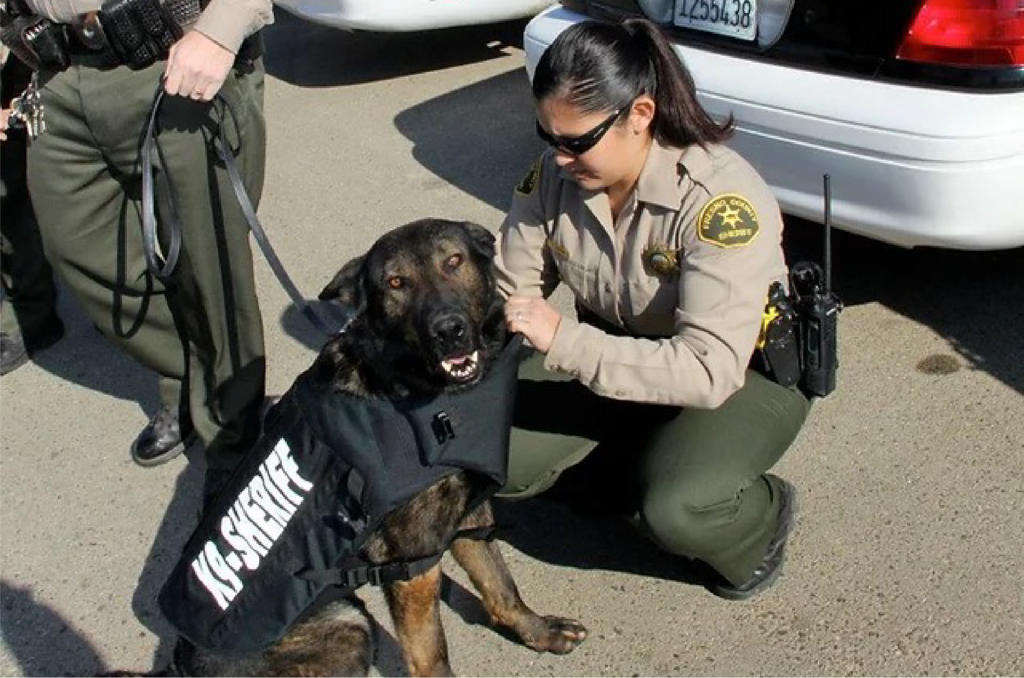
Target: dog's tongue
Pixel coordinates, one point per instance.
(462, 366)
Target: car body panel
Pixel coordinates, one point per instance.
(410, 15)
(909, 165)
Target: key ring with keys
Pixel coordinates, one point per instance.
(27, 111)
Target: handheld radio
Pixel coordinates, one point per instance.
(818, 308)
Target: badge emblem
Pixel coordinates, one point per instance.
(728, 220)
(662, 259)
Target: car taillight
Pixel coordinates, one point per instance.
(967, 32)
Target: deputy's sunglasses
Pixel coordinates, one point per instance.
(579, 145)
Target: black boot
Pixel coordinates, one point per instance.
(770, 568)
(15, 350)
(163, 439)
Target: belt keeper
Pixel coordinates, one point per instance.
(89, 31)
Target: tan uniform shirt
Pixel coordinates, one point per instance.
(227, 22)
(687, 267)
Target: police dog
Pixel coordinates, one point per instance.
(427, 320)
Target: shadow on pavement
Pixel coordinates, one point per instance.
(971, 299)
(85, 357)
(581, 523)
(179, 520)
(310, 55)
(488, 144)
(297, 326)
(42, 642)
(578, 535)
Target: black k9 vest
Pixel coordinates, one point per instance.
(327, 470)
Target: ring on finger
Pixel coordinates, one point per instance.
(520, 316)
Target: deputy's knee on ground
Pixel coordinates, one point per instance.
(534, 466)
(741, 537)
(525, 488)
(685, 528)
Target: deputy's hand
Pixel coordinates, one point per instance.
(535, 318)
(197, 67)
(5, 114)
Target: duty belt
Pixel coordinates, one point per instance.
(585, 315)
(133, 33)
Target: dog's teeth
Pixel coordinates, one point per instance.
(463, 366)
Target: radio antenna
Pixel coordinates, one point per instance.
(827, 261)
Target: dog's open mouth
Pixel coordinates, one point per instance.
(462, 368)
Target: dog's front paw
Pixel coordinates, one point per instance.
(562, 636)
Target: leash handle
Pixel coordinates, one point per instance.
(163, 267)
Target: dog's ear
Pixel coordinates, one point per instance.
(347, 284)
(481, 239)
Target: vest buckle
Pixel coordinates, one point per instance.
(442, 427)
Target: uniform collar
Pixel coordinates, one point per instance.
(660, 181)
(698, 162)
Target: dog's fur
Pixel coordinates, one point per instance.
(428, 320)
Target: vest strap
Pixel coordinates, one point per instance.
(486, 533)
(354, 577)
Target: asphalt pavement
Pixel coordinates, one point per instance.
(909, 551)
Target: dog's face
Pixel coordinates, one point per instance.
(426, 300)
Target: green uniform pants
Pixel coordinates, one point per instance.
(203, 329)
(694, 480)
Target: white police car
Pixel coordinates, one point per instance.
(410, 15)
(914, 107)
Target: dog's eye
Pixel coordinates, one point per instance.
(454, 261)
(396, 282)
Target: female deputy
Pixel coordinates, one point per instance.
(669, 242)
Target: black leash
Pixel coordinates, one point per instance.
(163, 266)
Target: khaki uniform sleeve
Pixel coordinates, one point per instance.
(722, 292)
(229, 22)
(523, 260)
(62, 11)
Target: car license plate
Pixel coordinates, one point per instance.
(734, 18)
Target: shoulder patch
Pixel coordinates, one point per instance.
(728, 220)
(529, 183)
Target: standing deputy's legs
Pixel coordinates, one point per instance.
(85, 196)
(85, 190)
(696, 477)
(215, 287)
(203, 327)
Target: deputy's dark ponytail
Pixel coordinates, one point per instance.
(601, 67)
